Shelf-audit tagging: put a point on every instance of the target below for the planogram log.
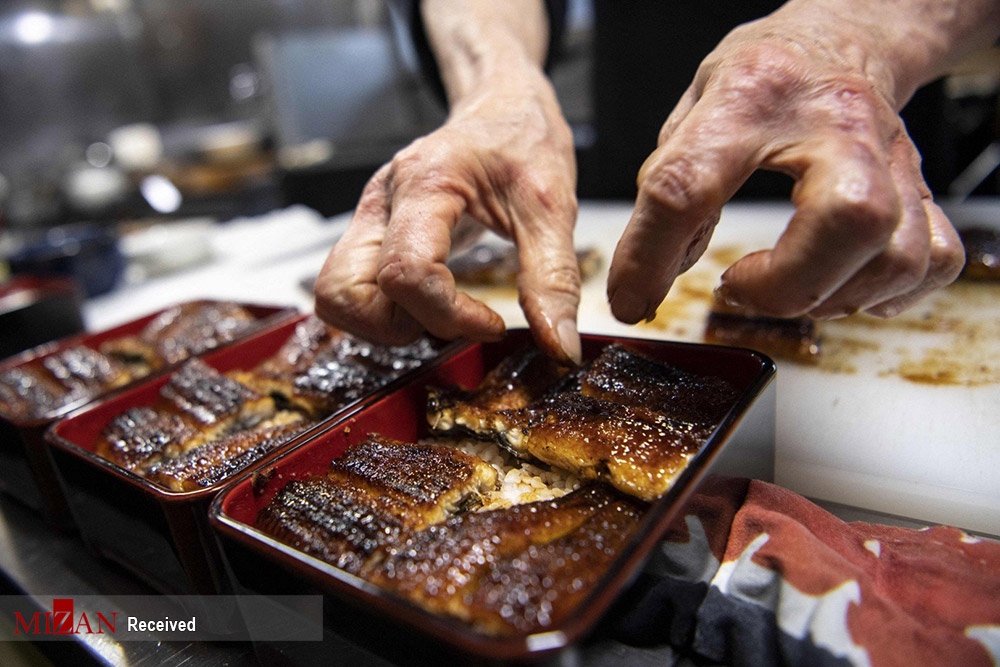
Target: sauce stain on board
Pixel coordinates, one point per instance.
(950, 339)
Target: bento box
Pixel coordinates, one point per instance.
(159, 534)
(25, 467)
(368, 616)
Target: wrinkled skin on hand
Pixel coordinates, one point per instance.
(505, 161)
(796, 94)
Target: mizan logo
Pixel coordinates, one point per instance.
(61, 621)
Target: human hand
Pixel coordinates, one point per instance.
(505, 159)
(815, 96)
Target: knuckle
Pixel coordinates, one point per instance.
(564, 279)
(855, 108)
(428, 165)
(760, 75)
(679, 185)
(400, 273)
(349, 308)
(562, 282)
(905, 269)
(946, 262)
(553, 198)
(341, 306)
(406, 161)
(871, 216)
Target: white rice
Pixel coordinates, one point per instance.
(518, 482)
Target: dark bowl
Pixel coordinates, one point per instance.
(88, 254)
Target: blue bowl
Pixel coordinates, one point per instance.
(88, 254)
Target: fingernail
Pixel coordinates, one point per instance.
(651, 313)
(628, 307)
(569, 340)
(726, 295)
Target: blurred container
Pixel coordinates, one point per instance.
(86, 253)
(168, 247)
(36, 310)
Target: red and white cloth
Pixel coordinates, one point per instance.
(757, 575)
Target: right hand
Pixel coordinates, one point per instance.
(504, 159)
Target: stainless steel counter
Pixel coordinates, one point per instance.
(40, 562)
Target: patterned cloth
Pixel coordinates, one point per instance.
(758, 575)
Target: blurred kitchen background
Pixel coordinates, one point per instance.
(120, 119)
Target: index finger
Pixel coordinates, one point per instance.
(412, 270)
(682, 188)
(347, 295)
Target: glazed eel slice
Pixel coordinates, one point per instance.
(793, 338)
(379, 491)
(140, 437)
(634, 450)
(39, 388)
(622, 376)
(276, 375)
(520, 379)
(517, 569)
(320, 369)
(181, 332)
(29, 392)
(351, 368)
(421, 483)
(212, 462)
(86, 371)
(212, 402)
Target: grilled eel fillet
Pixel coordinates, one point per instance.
(26, 392)
(196, 405)
(139, 437)
(181, 332)
(320, 369)
(81, 369)
(622, 376)
(373, 496)
(517, 381)
(211, 401)
(626, 419)
(795, 338)
(635, 452)
(213, 462)
(59, 379)
(517, 569)
(496, 266)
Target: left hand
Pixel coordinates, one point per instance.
(810, 96)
